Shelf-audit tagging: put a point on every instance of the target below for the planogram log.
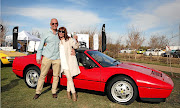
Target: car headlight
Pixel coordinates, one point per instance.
(8, 57)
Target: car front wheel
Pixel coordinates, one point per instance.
(122, 90)
(31, 76)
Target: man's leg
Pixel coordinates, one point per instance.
(45, 66)
(56, 71)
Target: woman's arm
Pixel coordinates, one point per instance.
(74, 43)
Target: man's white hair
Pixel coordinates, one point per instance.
(53, 19)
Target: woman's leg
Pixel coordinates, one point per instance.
(68, 88)
(70, 83)
(68, 91)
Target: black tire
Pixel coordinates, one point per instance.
(31, 76)
(130, 87)
(150, 54)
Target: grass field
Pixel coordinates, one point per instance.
(140, 58)
(15, 94)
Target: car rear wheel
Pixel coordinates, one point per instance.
(31, 76)
(122, 90)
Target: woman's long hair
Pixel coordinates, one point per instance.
(65, 34)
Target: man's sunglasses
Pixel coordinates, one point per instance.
(60, 31)
(54, 23)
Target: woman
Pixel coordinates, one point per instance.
(68, 62)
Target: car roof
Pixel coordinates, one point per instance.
(81, 50)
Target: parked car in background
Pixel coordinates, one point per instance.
(153, 52)
(122, 82)
(168, 53)
(176, 54)
(126, 50)
(140, 51)
(7, 57)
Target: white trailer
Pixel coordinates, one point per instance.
(169, 48)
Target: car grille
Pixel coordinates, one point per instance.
(156, 73)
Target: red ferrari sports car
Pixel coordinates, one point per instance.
(122, 82)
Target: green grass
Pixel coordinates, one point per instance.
(15, 94)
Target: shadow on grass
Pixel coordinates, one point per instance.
(4, 79)
(90, 92)
(141, 101)
(9, 86)
(50, 87)
(84, 91)
(60, 88)
(6, 65)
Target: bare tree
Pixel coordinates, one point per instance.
(135, 38)
(113, 48)
(4, 30)
(157, 41)
(36, 33)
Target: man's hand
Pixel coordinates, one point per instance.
(38, 61)
(75, 37)
(73, 52)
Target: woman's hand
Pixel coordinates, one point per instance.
(75, 37)
(73, 52)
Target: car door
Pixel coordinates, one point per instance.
(90, 75)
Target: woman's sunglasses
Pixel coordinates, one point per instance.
(60, 31)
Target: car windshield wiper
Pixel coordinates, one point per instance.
(116, 61)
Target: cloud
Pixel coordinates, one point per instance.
(162, 15)
(79, 2)
(113, 37)
(169, 12)
(71, 18)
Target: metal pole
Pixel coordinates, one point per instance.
(179, 34)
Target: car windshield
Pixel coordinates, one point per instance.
(102, 59)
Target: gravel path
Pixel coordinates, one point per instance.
(158, 67)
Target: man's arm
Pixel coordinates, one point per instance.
(39, 51)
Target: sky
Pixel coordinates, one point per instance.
(151, 17)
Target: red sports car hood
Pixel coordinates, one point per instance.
(145, 70)
(135, 67)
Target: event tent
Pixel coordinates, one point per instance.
(26, 36)
(22, 36)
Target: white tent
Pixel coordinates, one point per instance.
(23, 36)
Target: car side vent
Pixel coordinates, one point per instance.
(157, 73)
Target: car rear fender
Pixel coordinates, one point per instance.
(29, 65)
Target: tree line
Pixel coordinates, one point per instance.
(135, 39)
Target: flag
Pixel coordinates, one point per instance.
(103, 38)
(15, 36)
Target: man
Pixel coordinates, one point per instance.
(19, 47)
(50, 54)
